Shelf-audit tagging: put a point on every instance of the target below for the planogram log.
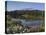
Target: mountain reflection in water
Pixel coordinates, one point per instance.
(28, 22)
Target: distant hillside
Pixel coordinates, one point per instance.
(21, 12)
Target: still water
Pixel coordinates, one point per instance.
(28, 22)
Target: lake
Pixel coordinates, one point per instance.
(28, 22)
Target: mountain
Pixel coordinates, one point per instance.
(24, 11)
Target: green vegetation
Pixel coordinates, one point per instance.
(15, 27)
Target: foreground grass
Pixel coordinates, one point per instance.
(15, 27)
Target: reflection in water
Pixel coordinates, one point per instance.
(28, 22)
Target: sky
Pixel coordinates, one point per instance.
(15, 5)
